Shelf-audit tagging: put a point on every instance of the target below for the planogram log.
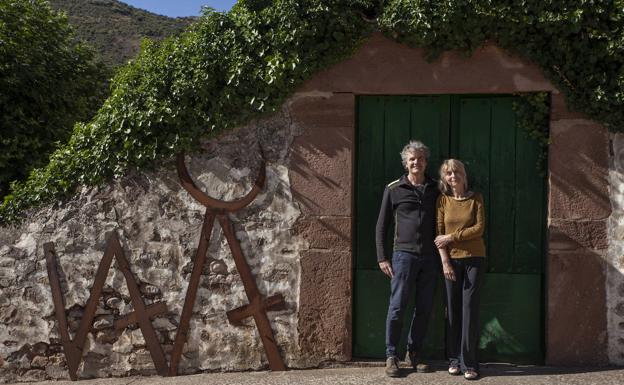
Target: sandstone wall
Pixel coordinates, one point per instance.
(158, 223)
(615, 255)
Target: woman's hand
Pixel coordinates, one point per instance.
(386, 268)
(449, 273)
(442, 241)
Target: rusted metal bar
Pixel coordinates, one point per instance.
(143, 319)
(131, 318)
(72, 353)
(251, 289)
(191, 292)
(94, 297)
(189, 185)
(272, 303)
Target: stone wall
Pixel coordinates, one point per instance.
(322, 177)
(578, 212)
(615, 255)
(158, 223)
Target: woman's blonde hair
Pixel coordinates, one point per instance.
(451, 165)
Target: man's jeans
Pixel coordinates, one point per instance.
(413, 275)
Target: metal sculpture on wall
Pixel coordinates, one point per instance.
(73, 349)
(256, 308)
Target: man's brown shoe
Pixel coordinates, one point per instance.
(418, 365)
(392, 367)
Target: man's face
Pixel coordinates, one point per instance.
(416, 163)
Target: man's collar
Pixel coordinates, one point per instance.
(428, 180)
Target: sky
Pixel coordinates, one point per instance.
(175, 8)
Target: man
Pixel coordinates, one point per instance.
(410, 202)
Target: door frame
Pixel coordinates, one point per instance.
(451, 143)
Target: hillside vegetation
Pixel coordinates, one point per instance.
(48, 81)
(54, 73)
(115, 29)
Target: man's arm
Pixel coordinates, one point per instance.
(383, 220)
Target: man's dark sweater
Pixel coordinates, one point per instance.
(413, 209)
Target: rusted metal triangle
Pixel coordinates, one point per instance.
(74, 348)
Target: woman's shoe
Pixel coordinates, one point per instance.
(453, 370)
(470, 375)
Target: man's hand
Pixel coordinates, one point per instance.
(386, 267)
(442, 241)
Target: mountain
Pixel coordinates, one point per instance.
(115, 29)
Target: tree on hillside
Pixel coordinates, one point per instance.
(48, 81)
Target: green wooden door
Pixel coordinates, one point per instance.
(500, 160)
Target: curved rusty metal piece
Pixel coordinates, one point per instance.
(189, 185)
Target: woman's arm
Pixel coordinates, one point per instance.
(440, 215)
(447, 268)
(441, 240)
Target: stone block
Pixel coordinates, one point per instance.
(108, 336)
(325, 305)
(566, 235)
(579, 164)
(384, 66)
(559, 108)
(327, 110)
(39, 362)
(103, 322)
(57, 372)
(321, 171)
(576, 315)
(322, 184)
(33, 375)
(331, 233)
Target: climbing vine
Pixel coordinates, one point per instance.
(230, 67)
(533, 115)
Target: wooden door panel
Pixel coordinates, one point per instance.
(500, 214)
(511, 323)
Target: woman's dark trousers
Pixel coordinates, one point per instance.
(414, 275)
(462, 304)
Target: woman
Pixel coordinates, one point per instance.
(460, 225)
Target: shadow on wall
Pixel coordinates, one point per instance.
(578, 187)
(321, 163)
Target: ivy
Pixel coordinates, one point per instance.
(533, 114)
(579, 44)
(230, 67)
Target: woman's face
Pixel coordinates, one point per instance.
(454, 178)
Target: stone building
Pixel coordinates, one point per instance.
(556, 284)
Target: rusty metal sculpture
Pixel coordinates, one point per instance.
(74, 348)
(257, 307)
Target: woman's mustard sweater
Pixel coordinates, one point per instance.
(464, 219)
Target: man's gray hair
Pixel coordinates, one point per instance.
(414, 146)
